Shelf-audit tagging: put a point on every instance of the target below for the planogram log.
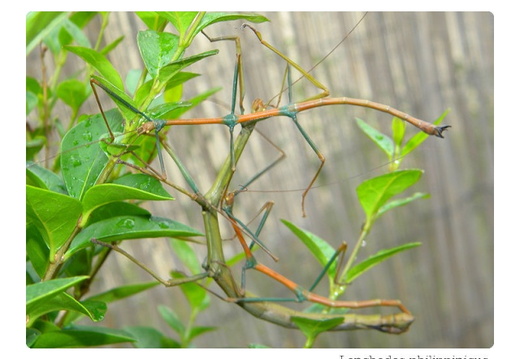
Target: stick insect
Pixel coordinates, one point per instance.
(301, 295)
(292, 109)
(210, 203)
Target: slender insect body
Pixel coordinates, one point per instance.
(218, 201)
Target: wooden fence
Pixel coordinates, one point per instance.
(421, 63)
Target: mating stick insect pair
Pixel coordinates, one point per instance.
(219, 201)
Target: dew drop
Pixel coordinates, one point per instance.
(128, 223)
(76, 162)
(163, 224)
(145, 186)
(87, 136)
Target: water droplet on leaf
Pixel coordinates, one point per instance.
(126, 223)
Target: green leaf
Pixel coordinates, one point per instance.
(215, 17)
(193, 102)
(30, 336)
(40, 24)
(80, 337)
(377, 258)
(37, 250)
(181, 20)
(146, 337)
(312, 327)
(196, 331)
(38, 176)
(375, 192)
(174, 87)
(130, 227)
(173, 320)
(53, 214)
(83, 159)
(73, 92)
(106, 50)
(401, 202)
(157, 49)
(122, 292)
(320, 248)
(113, 87)
(37, 293)
(134, 186)
(63, 301)
(99, 62)
(152, 19)
(75, 33)
(187, 255)
(398, 129)
(112, 295)
(114, 209)
(381, 140)
(166, 73)
(165, 110)
(197, 297)
(416, 140)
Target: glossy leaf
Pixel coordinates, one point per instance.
(401, 202)
(146, 337)
(63, 301)
(53, 214)
(130, 227)
(166, 73)
(215, 17)
(38, 176)
(152, 19)
(133, 186)
(380, 139)
(83, 159)
(39, 292)
(375, 192)
(81, 336)
(37, 250)
(99, 62)
(377, 258)
(180, 20)
(105, 50)
(112, 295)
(320, 248)
(165, 110)
(114, 209)
(157, 49)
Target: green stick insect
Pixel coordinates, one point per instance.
(218, 202)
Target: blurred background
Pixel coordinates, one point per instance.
(420, 63)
